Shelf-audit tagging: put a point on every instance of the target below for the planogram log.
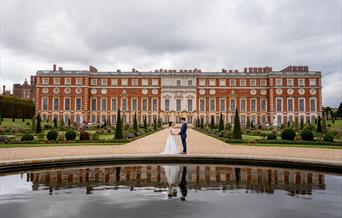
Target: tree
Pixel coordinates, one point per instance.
(155, 123)
(38, 126)
(118, 129)
(324, 126)
(69, 122)
(301, 123)
(248, 123)
(221, 123)
(212, 122)
(319, 126)
(237, 129)
(145, 123)
(202, 122)
(135, 122)
(339, 111)
(55, 122)
(296, 123)
(33, 123)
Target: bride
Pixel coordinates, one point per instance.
(171, 146)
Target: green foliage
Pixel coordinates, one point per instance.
(324, 126)
(288, 134)
(212, 122)
(319, 126)
(95, 136)
(328, 137)
(33, 123)
(118, 129)
(221, 123)
(85, 136)
(339, 111)
(202, 123)
(55, 121)
(301, 123)
(272, 136)
(228, 126)
(70, 135)
(38, 124)
(237, 129)
(61, 123)
(135, 122)
(27, 137)
(52, 135)
(307, 135)
(145, 123)
(14, 107)
(248, 123)
(155, 123)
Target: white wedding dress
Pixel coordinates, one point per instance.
(171, 146)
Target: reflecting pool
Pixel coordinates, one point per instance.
(171, 191)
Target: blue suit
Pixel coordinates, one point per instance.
(182, 134)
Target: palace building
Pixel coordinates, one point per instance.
(260, 93)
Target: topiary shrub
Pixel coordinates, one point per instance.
(27, 137)
(272, 136)
(288, 134)
(95, 136)
(70, 135)
(307, 135)
(328, 137)
(85, 136)
(47, 126)
(52, 135)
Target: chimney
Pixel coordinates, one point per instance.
(250, 69)
(54, 67)
(245, 70)
(236, 71)
(133, 70)
(60, 69)
(92, 69)
(3, 89)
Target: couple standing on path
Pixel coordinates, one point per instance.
(171, 146)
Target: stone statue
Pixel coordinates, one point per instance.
(275, 121)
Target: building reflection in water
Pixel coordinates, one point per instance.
(198, 177)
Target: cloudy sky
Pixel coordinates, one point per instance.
(177, 34)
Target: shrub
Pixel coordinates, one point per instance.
(288, 134)
(85, 136)
(272, 136)
(52, 135)
(40, 136)
(95, 136)
(328, 137)
(61, 137)
(307, 135)
(27, 137)
(70, 135)
(47, 126)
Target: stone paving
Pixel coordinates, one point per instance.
(198, 143)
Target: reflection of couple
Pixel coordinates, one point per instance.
(171, 172)
(171, 146)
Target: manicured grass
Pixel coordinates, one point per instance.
(7, 122)
(61, 144)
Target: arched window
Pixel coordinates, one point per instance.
(279, 119)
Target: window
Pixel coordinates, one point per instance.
(78, 104)
(93, 82)
(56, 81)
(202, 105)
(222, 82)
(263, 82)
(222, 105)
(312, 82)
(93, 104)
(103, 82)
(78, 81)
(301, 82)
(290, 104)
(114, 104)
(93, 119)
(134, 82)
(114, 82)
(279, 82)
(67, 81)
(55, 104)
(279, 105)
(189, 82)
(167, 104)
(154, 104)
(253, 105)
(212, 105)
(114, 119)
(134, 104)
(190, 104)
(202, 82)
(253, 82)
(263, 120)
(243, 105)
(45, 81)
(144, 105)
(263, 105)
(313, 105)
(124, 82)
(124, 104)
(212, 82)
(45, 104)
(301, 103)
(232, 82)
(154, 82)
(242, 82)
(290, 82)
(178, 104)
(179, 82)
(67, 104)
(232, 105)
(144, 82)
(103, 104)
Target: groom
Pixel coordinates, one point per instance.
(182, 134)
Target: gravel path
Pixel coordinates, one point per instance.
(198, 143)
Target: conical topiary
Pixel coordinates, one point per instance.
(221, 123)
(118, 129)
(237, 129)
(135, 122)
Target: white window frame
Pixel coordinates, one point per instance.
(53, 104)
(65, 109)
(124, 82)
(116, 104)
(232, 82)
(256, 105)
(105, 109)
(289, 82)
(252, 82)
(45, 81)
(210, 108)
(144, 82)
(245, 100)
(279, 82)
(67, 81)
(224, 104)
(242, 82)
(91, 104)
(142, 104)
(47, 103)
(261, 100)
(303, 104)
(301, 82)
(56, 81)
(200, 107)
(263, 82)
(136, 101)
(312, 83)
(154, 82)
(156, 108)
(135, 82)
(212, 82)
(104, 82)
(93, 82)
(202, 82)
(313, 111)
(78, 81)
(114, 82)
(282, 105)
(222, 82)
(76, 104)
(288, 100)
